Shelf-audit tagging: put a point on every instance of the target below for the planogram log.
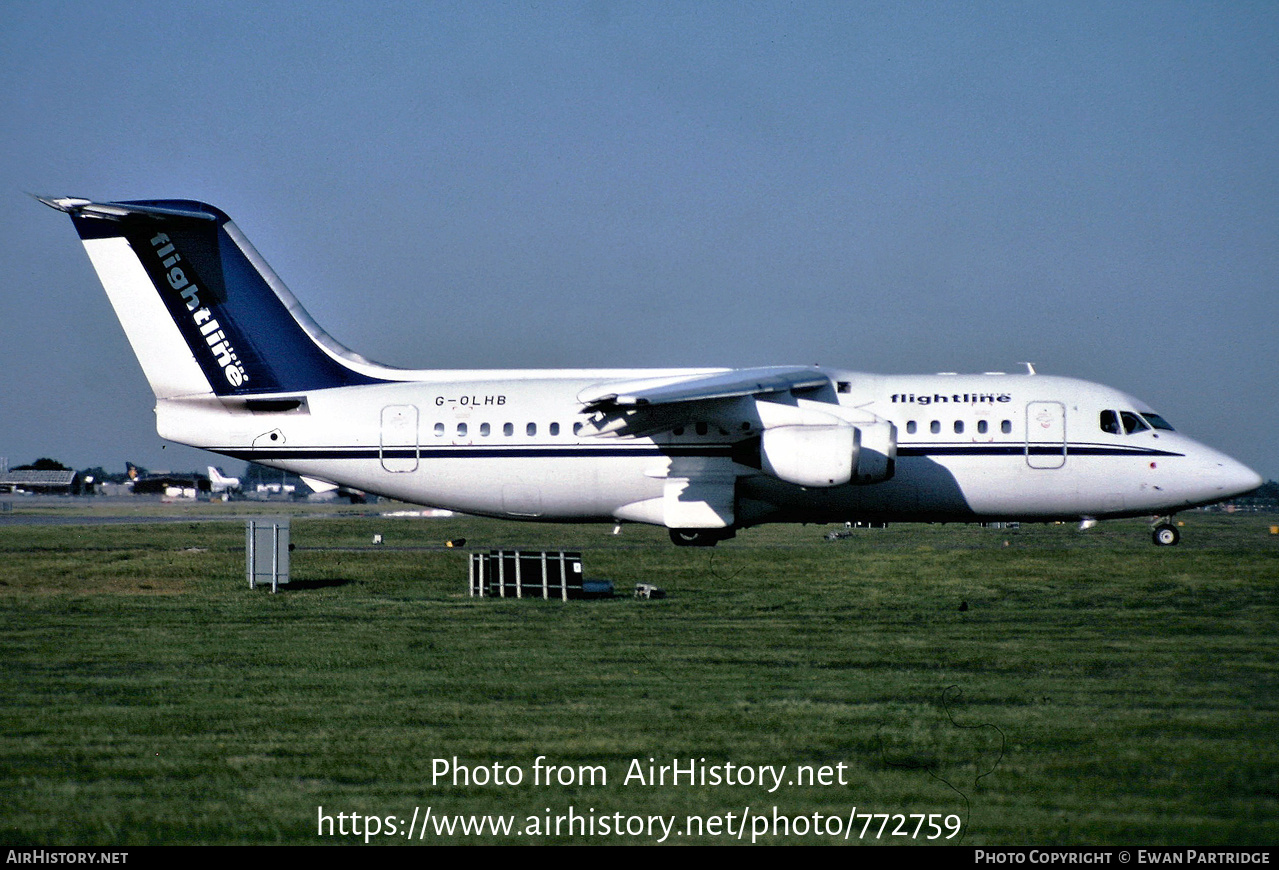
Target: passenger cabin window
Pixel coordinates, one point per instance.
(934, 427)
(484, 430)
(981, 427)
(555, 428)
(910, 427)
(959, 427)
(1006, 427)
(508, 429)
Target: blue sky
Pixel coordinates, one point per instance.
(891, 187)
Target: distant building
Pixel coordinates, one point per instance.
(64, 482)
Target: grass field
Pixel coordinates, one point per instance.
(1045, 686)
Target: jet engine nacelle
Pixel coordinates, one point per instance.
(811, 455)
(877, 460)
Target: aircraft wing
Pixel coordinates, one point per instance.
(621, 395)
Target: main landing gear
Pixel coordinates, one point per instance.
(1164, 533)
(700, 537)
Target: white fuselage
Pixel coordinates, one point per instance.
(517, 445)
(239, 368)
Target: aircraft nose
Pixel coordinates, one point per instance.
(1249, 479)
(1231, 478)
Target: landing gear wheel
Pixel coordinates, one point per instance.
(696, 537)
(1165, 535)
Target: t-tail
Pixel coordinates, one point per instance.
(201, 308)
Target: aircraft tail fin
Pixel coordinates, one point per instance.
(201, 308)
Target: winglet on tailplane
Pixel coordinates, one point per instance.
(201, 308)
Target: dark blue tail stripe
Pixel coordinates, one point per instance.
(241, 334)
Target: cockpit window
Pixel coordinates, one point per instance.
(1128, 422)
(1132, 422)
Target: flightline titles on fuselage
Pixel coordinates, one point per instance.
(956, 399)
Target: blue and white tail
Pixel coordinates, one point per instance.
(201, 308)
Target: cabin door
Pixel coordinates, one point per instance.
(399, 447)
(1045, 434)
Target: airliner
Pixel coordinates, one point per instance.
(143, 482)
(239, 368)
(220, 483)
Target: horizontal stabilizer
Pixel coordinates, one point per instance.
(117, 210)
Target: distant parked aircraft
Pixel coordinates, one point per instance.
(144, 482)
(218, 482)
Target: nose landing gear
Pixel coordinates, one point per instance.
(1164, 533)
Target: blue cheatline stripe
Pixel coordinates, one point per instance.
(463, 451)
(1034, 449)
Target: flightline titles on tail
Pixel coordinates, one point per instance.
(210, 331)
